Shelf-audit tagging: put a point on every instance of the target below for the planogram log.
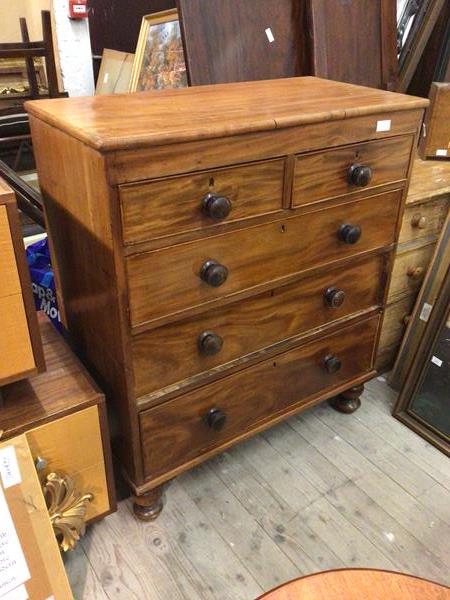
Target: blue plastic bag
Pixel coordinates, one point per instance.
(43, 281)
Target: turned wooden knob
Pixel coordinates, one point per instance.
(415, 272)
(216, 419)
(216, 207)
(359, 175)
(209, 343)
(334, 297)
(213, 273)
(332, 364)
(419, 221)
(349, 234)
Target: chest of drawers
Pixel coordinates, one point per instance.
(223, 254)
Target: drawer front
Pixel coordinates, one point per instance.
(394, 322)
(9, 275)
(324, 175)
(73, 445)
(174, 352)
(201, 201)
(177, 432)
(16, 352)
(168, 281)
(409, 271)
(423, 220)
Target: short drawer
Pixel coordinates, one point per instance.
(181, 430)
(409, 271)
(174, 352)
(332, 173)
(170, 280)
(201, 201)
(394, 322)
(423, 220)
(73, 446)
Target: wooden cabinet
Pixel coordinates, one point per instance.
(220, 267)
(20, 344)
(62, 415)
(426, 209)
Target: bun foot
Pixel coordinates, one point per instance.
(148, 507)
(348, 401)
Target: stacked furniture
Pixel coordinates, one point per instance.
(223, 253)
(62, 416)
(20, 344)
(427, 206)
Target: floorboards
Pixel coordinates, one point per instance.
(320, 491)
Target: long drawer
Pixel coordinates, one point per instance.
(174, 352)
(180, 430)
(201, 201)
(168, 281)
(325, 174)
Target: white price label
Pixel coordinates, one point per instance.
(441, 152)
(9, 467)
(436, 361)
(425, 312)
(383, 125)
(270, 35)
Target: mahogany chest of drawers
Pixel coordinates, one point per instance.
(223, 253)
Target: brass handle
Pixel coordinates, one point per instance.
(418, 221)
(415, 272)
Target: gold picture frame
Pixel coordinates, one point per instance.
(159, 61)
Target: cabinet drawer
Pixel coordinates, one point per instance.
(394, 322)
(16, 352)
(174, 352)
(177, 432)
(423, 220)
(168, 281)
(9, 275)
(73, 445)
(325, 174)
(409, 271)
(200, 201)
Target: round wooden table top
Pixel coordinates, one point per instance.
(359, 584)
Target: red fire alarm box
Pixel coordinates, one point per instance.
(78, 9)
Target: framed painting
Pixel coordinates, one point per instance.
(159, 62)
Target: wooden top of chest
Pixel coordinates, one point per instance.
(126, 121)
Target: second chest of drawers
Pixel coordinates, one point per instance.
(223, 254)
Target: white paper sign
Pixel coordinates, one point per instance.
(441, 152)
(425, 312)
(9, 467)
(384, 125)
(270, 35)
(20, 593)
(13, 567)
(437, 361)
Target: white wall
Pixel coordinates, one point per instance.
(74, 48)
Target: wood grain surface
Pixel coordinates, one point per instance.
(429, 178)
(9, 280)
(167, 281)
(16, 352)
(394, 322)
(424, 220)
(323, 175)
(435, 140)
(73, 445)
(204, 112)
(176, 432)
(409, 270)
(253, 324)
(173, 206)
(196, 155)
(354, 584)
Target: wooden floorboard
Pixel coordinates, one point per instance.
(320, 491)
